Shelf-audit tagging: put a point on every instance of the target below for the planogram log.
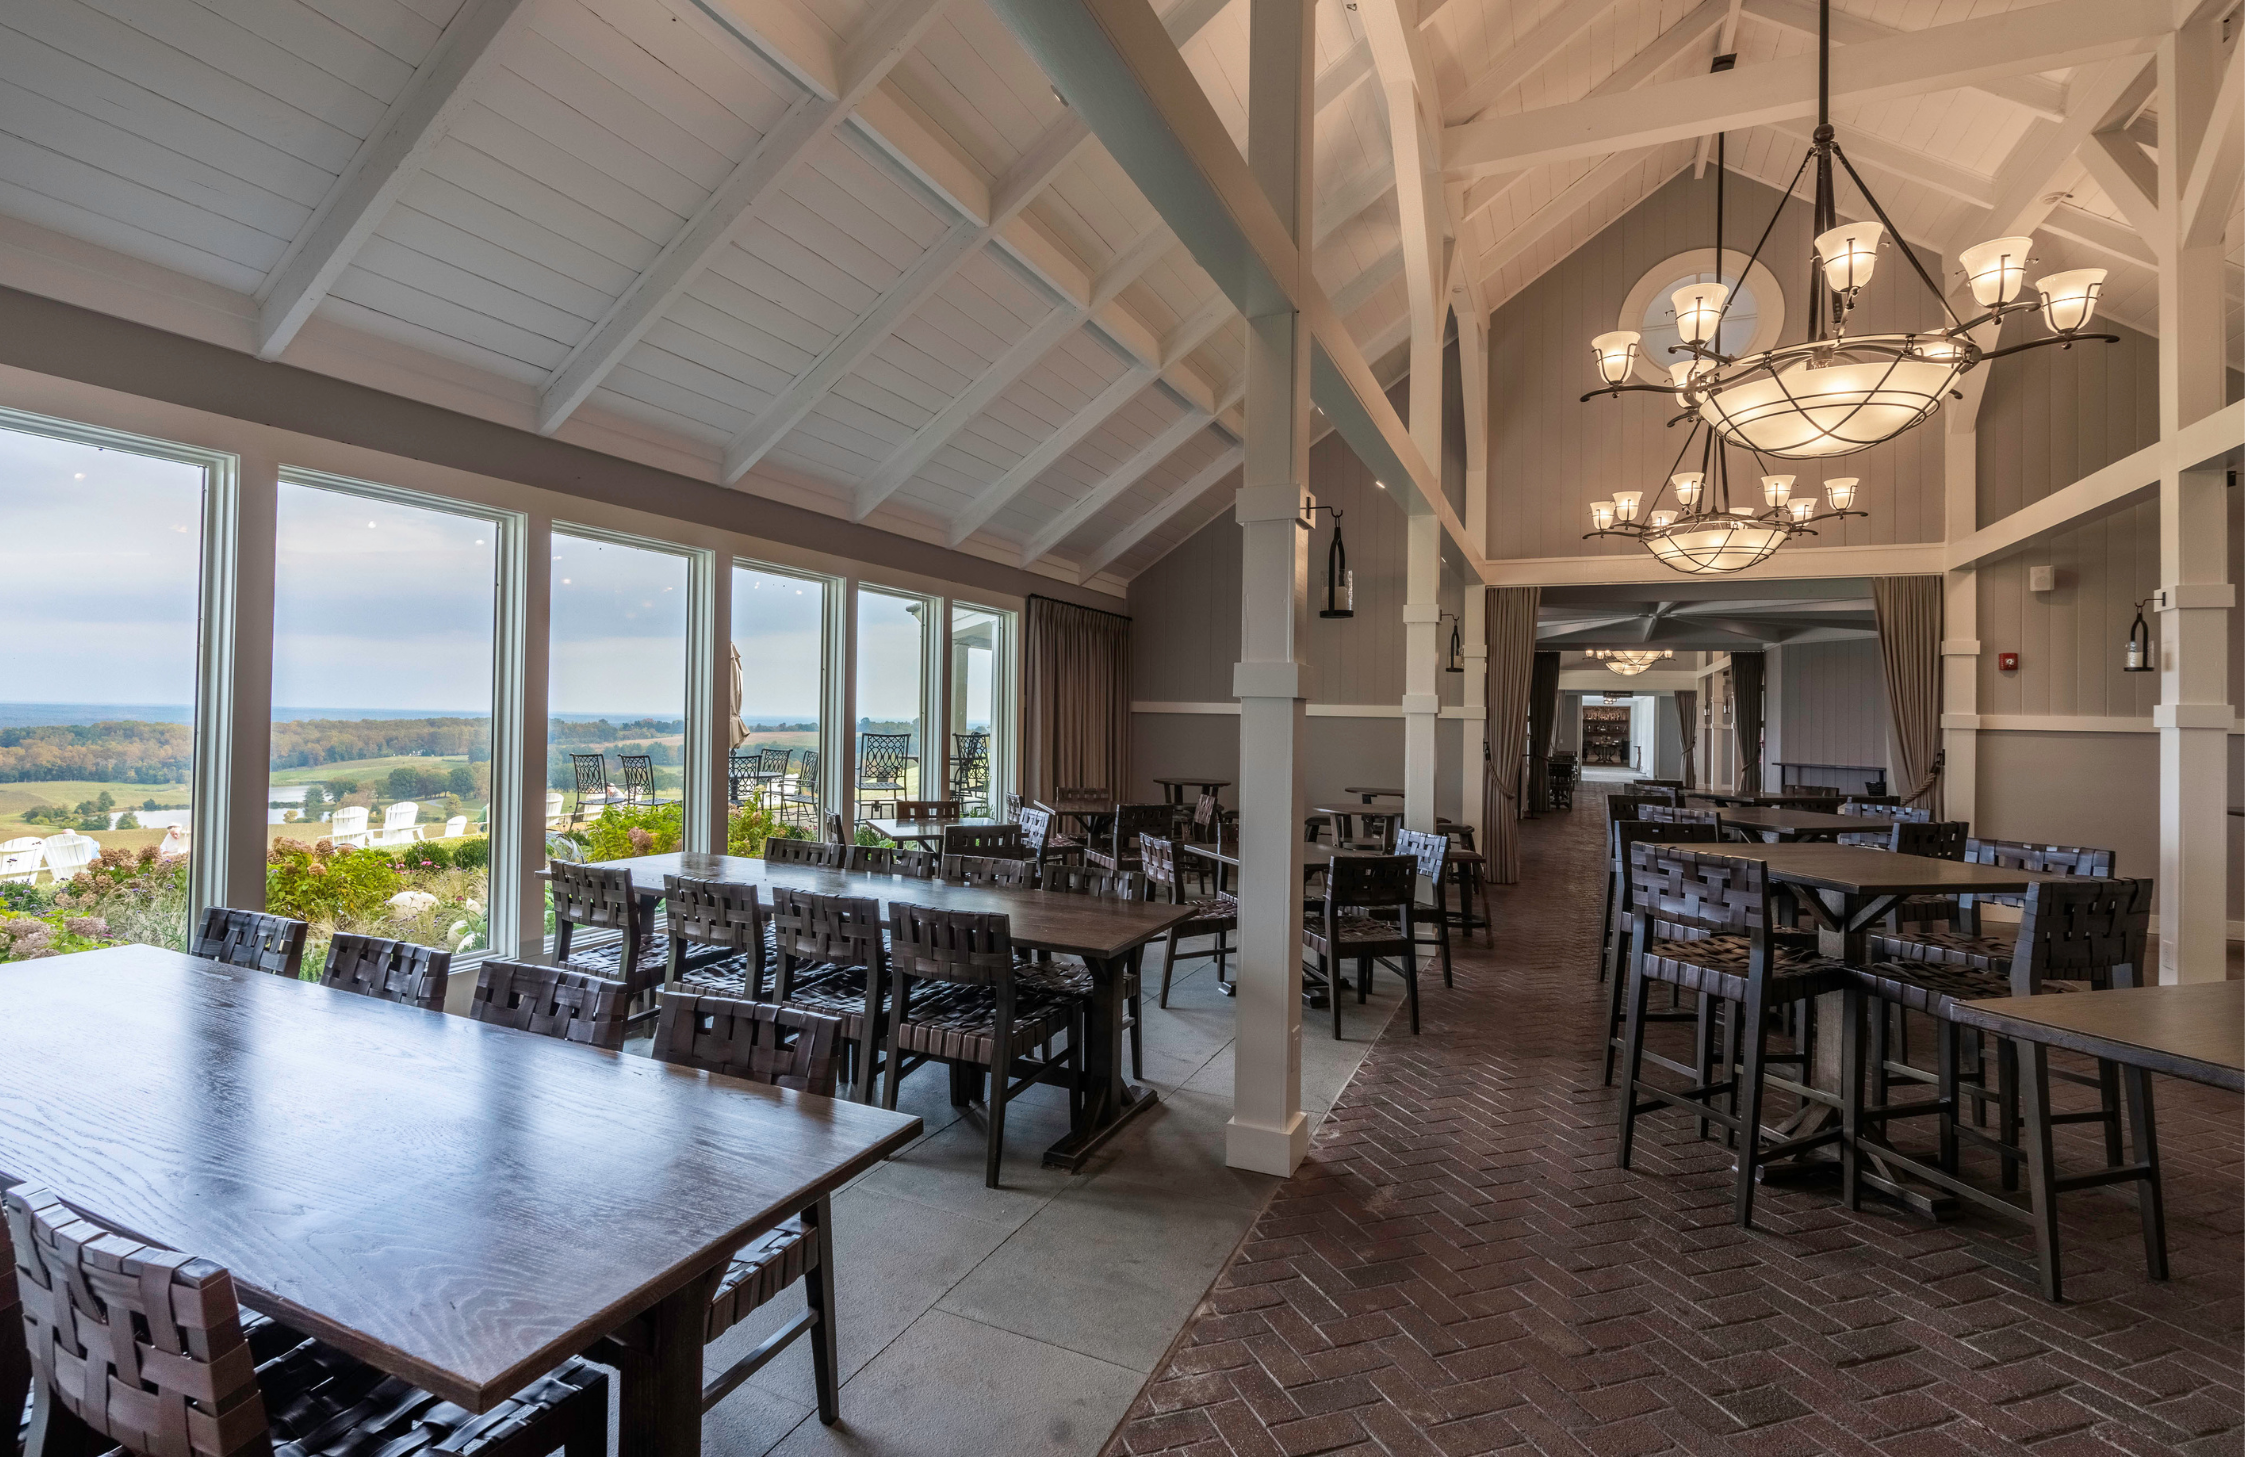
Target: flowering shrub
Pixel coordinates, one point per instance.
(29, 938)
(135, 895)
(323, 883)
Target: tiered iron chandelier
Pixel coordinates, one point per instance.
(1830, 395)
(1629, 662)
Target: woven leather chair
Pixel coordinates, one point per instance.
(1469, 873)
(786, 1047)
(1340, 927)
(987, 870)
(1432, 851)
(1118, 848)
(989, 841)
(1041, 836)
(889, 860)
(251, 940)
(389, 971)
(832, 961)
(1619, 807)
(1970, 940)
(144, 1349)
(957, 1001)
(1702, 923)
(821, 854)
(1677, 814)
(601, 898)
(1216, 915)
(552, 1001)
(920, 811)
(1068, 975)
(1616, 972)
(15, 1360)
(1899, 813)
(2075, 933)
(728, 921)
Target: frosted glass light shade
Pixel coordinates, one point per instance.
(1699, 308)
(1808, 414)
(1938, 347)
(1625, 504)
(1841, 493)
(1996, 269)
(1709, 547)
(1682, 374)
(1616, 354)
(1802, 507)
(1776, 489)
(2069, 300)
(1850, 253)
(1688, 485)
(1660, 518)
(1601, 515)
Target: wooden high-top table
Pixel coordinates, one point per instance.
(1780, 825)
(461, 1205)
(1105, 933)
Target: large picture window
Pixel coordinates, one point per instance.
(779, 634)
(616, 700)
(980, 699)
(379, 804)
(891, 698)
(102, 558)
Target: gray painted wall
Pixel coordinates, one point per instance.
(1830, 704)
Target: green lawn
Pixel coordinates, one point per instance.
(368, 772)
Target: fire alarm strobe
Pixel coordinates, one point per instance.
(2007, 662)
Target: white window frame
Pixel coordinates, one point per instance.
(833, 626)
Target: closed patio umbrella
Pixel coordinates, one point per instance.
(740, 730)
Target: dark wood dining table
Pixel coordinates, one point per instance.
(1778, 824)
(1173, 787)
(1369, 794)
(924, 832)
(1106, 934)
(461, 1205)
(1746, 797)
(2195, 1031)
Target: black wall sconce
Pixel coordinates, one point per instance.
(1456, 660)
(2139, 657)
(1340, 582)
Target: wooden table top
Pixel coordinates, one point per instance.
(1196, 781)
(1757, 796)
(1081, 925)
(459, 1204)
(924, 829)
(1866, 870)
(1375, 793)
(2195, 1031)
(1800, 821)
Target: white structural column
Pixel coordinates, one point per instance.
(1473, 606)
(234, 729)
(2193, 715)
(709, 696)
(1268, 1132)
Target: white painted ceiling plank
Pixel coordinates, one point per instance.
(1178, 500)
(2038, 94)
(385, 163)
(1525, 56)
(1111, 486)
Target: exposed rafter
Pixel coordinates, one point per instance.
(1904, 162)
(2038, 94)
(936, 267)
(1572, 201)
(1178, 500)
(2121, 170)
(1942, 58)
(835, 85)
(2023, 196)
(1112, 485)
(1524, 57)
(390, 158)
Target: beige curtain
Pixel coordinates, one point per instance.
(1075, 700)
(1910, 626)
(1512, 656)
(1687, 731)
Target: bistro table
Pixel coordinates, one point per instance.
(412, 1187)
(1368, 795)
(2195, 1032)
(1780, 825)
(1849, 889)
(924, 832)
(1105, 933)
(1748, 797)
(1173, 790)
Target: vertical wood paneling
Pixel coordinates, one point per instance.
(1551, 456)
(1833, 698)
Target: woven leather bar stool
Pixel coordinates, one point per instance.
(2075, 934)
(143, 1348)
(727, 921)
(552, 1001)
(1119, 849)
(1702, 922)
(251, 940)
(1213, 915)
(785, 1047)
(1969, 939)
(389, 971)
(1068, 975)
(1432, 852)
(1628, 833)
(1619, 807)
(1362, 891)
(958, 1002)
(1468, 871)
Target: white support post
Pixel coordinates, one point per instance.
(1958, 794)
(518, 750)
(233, 750)
(2193, 715)
(1269, 1132)
(709, 698)
(1473, 605)
(1422, 698)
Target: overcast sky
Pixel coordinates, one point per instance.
(378, 606)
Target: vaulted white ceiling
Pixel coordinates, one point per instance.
(862, 256)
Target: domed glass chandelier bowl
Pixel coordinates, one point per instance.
(1629, 662)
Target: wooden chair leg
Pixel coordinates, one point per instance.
(2007, 1106)
(1950, 1091)
(1137, 1006)
(1329, 963)
(1411, 987)
(1363, 979)
(1632, 1062)
(1615, 1012)
(1703, 1051)
(1001, 1076)
(818, 1294)
(2108, 1103)
(2032, 1084)
(1754, 1024)
(1852, 1041)
(1168, 964)
(2151, 1203)
(56, 1431)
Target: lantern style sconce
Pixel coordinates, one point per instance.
(2139, 657)
(1340, 582)
(1455, 663)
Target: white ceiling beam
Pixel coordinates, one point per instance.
(1524, 57)
(1664, 49)
(1907, 163)
(2044, 97)
(1178, 500)
(836, 86)
(1182, 341)
(1111, 486)
(1578, 196)
(921, 446)
(2024, 191)
(2117, 240)
(390, 158)
(1188, 18)
(1354, 294)
(1414, 105)
(1030, 173)
(2210, 192)
(1726, 44)
(1941, 58)
(2125, 175)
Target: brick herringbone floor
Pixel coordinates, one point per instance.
(1459, 1268)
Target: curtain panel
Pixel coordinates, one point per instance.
(1746, 717)
(1543, 721)
(1511, 636)
(1910, 626)
(1075, 700)
(1687, 733)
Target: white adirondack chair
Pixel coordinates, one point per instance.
(455, 827)
(555, 815)
(398, 824)
(68, 853)
(19, 859)
(348, 828)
